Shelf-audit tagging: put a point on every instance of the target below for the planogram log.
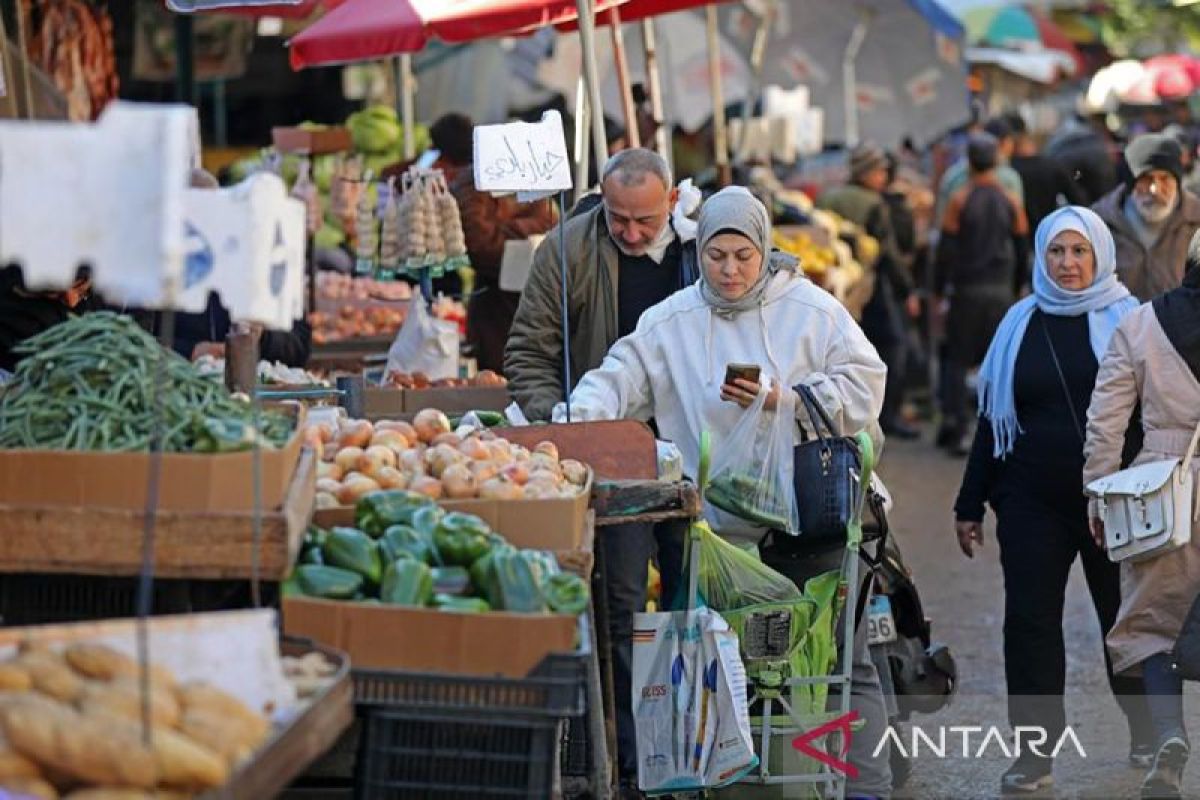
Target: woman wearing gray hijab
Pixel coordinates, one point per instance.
(752, 305)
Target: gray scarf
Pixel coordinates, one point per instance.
(735, 209)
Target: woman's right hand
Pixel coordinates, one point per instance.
(970, 536)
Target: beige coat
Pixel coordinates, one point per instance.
(1142, 364)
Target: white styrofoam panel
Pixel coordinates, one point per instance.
(108, 195)
(247, 244)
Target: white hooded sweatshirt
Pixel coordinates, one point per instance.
(672, 366)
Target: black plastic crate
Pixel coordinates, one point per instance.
(455, 753)
(575, 757)
(451, 736)
(40, 599)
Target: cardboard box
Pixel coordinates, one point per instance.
(558, 524)
(188, 481)
(381, 403)
(318, 142)
(428, 640)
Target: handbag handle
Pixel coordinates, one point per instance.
(816, 413)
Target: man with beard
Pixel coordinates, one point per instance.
(1151, 216)
(623, 256)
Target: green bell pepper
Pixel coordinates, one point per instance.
(516, 587)
(565, 593)
(407, 582)
(400, 539)
(331, 583)
(461, 539)
(350, 548)
(483, 573)
(470, 605)
(451, 580)
(426, 519)
(378, 511)
(312, 555)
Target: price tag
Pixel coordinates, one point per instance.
(527, 157)
(881, 626)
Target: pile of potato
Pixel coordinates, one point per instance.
(426, 456)
(71, 726)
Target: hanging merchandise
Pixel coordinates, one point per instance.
(389, 236)
(305, 191)
(345, 189)
(366, 231)
(451, 221)
(72, 41)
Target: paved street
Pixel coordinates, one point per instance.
(965, 600)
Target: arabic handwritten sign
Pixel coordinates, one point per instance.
(522, 156)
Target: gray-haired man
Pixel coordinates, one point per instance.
(623, 256)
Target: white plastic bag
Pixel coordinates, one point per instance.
(689, 702)
(753, 467)
(424, 344)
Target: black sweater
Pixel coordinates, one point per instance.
(1046, 462)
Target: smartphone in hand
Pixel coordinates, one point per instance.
(746, 372)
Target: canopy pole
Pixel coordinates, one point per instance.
(26, 83)
(587, 41)
(720, 132)
(633, 136)
(850, 80)
(404, 87)
(758, 55)
(662, 134)
(581, 139)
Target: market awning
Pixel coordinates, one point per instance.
(294, 10)
(634, 10)
(362, 30)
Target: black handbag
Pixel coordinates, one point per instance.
(825, 470)
(1185, 657)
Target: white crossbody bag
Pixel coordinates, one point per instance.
(1149, 509)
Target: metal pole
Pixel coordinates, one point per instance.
(632, 135)
(662, 133)
(587, 40)
(758, 53)
(720, 133)
(26, 83)
(404, 80)
(220, 114)
(581, 139)
(850, 80)
(185, 67)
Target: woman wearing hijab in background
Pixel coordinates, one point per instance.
(1155, 359)
(751, 306)
(1026, 463)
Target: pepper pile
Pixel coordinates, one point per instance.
(91, 383)
(406, 550)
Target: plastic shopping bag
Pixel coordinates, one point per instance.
(424, 344)
(752, 471)
(728, 577)
(689, 702)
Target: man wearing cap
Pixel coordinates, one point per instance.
(980, 262)
(1151, 216)
(862, 202)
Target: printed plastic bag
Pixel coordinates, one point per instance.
(689, 702)
(424, 344)
(753, 469)
(728, 577)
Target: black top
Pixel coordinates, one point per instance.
(24, 315)
(985, 252)
(1045, 180)
(291, 348)
(641, 283)
(1046, 462)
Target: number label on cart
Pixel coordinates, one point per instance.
(881, 626)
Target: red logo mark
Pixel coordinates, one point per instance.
(805, 744)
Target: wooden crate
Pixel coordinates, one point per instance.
(211, 545)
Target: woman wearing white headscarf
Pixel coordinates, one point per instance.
(1026, 463)
(750, 306)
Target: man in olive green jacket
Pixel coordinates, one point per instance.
(623, 256)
